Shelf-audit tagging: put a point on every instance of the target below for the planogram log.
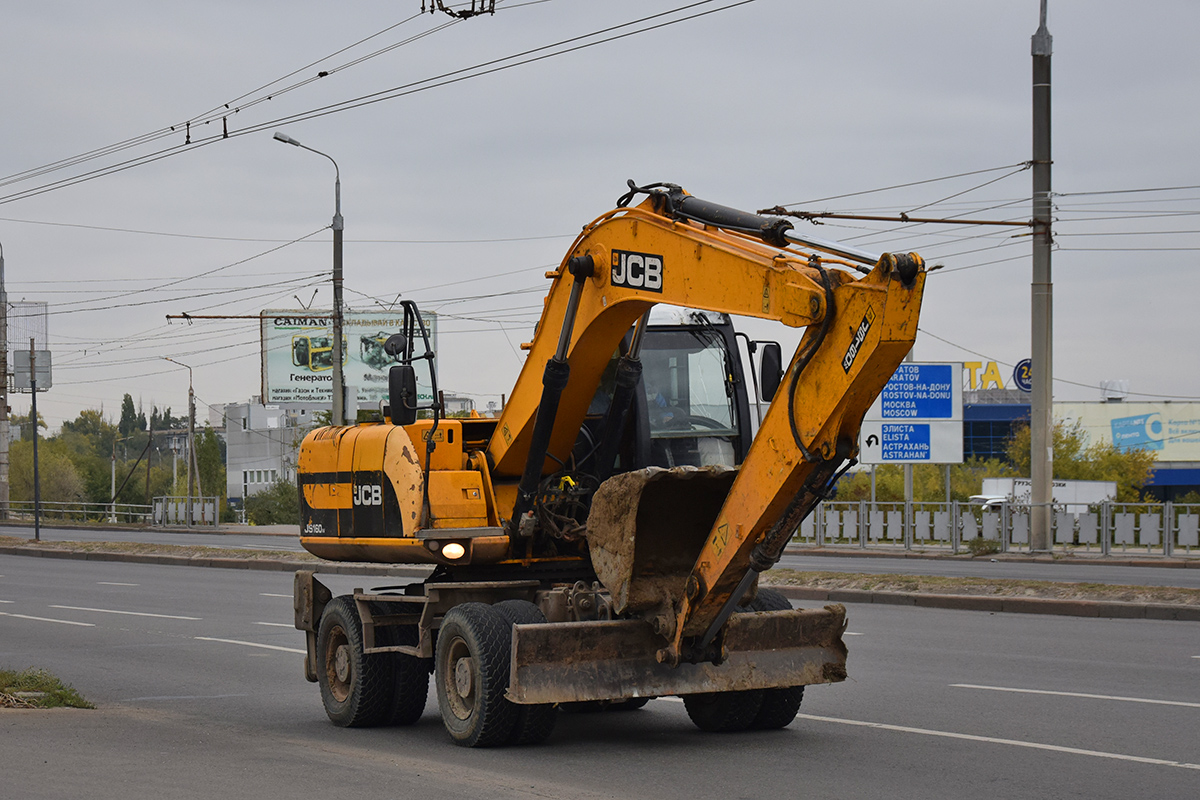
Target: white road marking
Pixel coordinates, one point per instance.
(186, 697)
(126, 613)
(47, 619)
(252, 644)
(850, 633)
(277, 624)
(112, 583)
(268, 594)
(8, 601)
(1158, 762)
(1078, 694)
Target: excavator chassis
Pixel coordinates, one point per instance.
(587, 660)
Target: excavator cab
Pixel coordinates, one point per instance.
(691, 406)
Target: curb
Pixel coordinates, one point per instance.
(1006, 605)
(955, 602)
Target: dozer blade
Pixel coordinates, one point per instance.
(611, 660)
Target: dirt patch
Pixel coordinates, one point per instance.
(986, 587)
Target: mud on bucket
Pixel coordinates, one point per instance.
(646, 528)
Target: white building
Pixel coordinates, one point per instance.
(262, 442)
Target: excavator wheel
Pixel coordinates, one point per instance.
(535, 722)
(724, 712)
(779, 706)
(409, 675)
(354, 686)
(471, 667)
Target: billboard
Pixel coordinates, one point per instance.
(1171, 431)
(297, 355)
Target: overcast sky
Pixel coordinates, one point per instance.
(473, 189)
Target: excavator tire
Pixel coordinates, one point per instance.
(724, 712)
(355, 688)
(535, 722)
(779, 706)
(409, 674)
(471, 668)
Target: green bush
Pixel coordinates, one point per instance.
(279, 504)
(982, 547)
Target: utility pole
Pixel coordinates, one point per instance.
(33, 423)
(191, 446)
(191, 441)
(1041, 406)
(4, 491)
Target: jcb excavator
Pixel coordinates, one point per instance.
(600, 542)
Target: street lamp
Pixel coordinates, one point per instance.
(191, 439)
(337, 417)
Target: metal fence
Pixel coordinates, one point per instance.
(173, 511)
(132, 513)
(1163, 529)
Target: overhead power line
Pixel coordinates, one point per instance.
(533, 55)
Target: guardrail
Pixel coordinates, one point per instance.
(1163, 529)
(128, 513)
(173, 511)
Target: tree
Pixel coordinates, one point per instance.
(60, 481)
(23, 425)
(129, 417)
(278, 504)
(210, 456)
(929, 481)
(1076, 460)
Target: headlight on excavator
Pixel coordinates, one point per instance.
(453, 551)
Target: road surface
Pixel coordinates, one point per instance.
(197, 675)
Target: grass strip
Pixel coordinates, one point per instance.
(37, 688)
(987, 587)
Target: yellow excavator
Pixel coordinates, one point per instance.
(599, 543)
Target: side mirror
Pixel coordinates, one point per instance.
(402, 394)
(770, 367)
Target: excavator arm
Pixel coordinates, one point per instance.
(678, 250)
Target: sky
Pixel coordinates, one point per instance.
(460, 191)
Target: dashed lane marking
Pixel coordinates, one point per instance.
(277, 624)
(114, 583)
(252, 644)
(1158, 762)
(126, 613)
(48, 619)
(268, 594)
(1078, 694)
(10, 602)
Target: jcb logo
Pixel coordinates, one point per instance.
(365, 495)
(637, 270)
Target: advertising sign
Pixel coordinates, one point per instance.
(297, 355)
(1169, 430)
(917, 419)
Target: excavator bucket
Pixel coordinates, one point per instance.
(646, 528)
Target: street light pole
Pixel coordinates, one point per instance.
(338, 415)
(191, 439)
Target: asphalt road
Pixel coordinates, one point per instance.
(197, 673)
